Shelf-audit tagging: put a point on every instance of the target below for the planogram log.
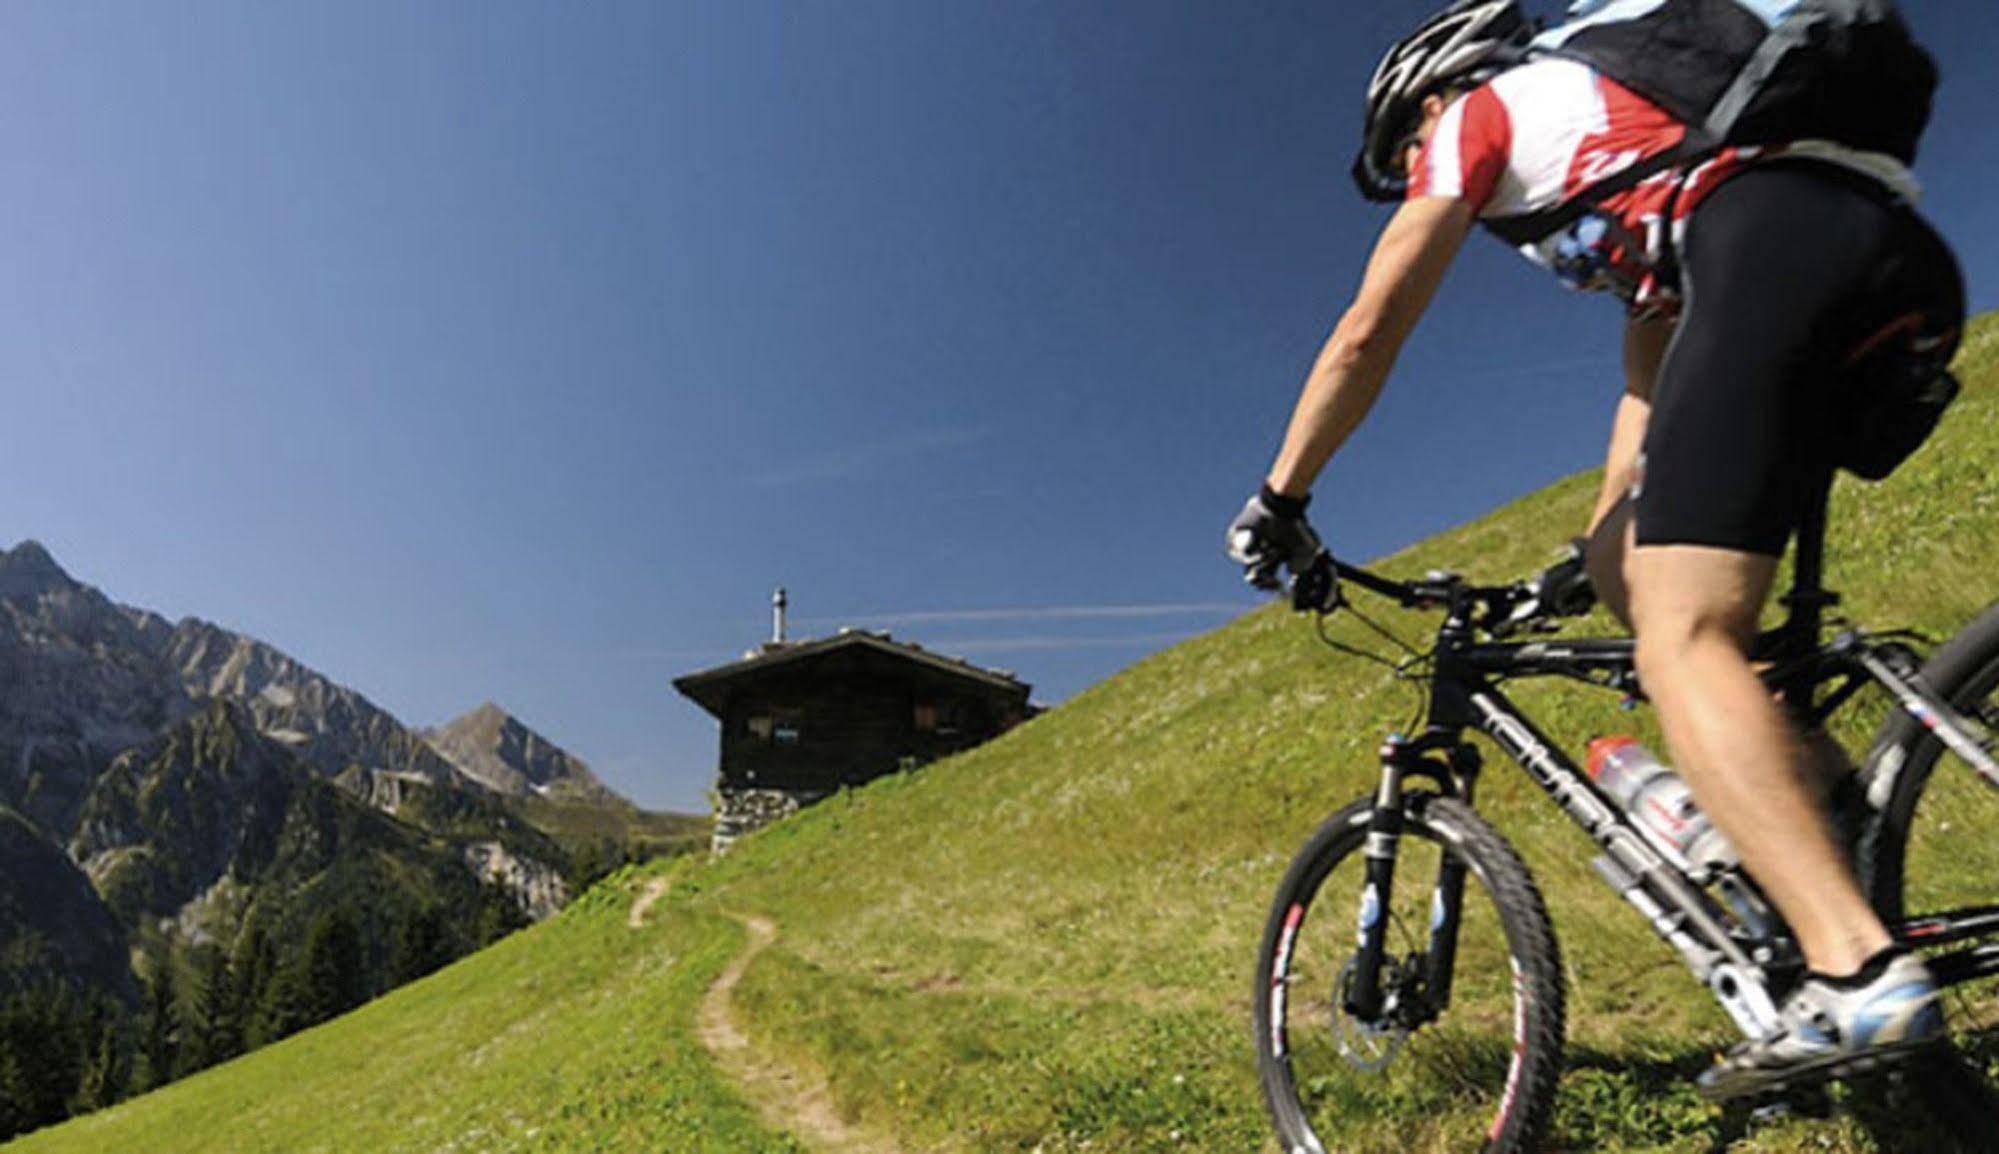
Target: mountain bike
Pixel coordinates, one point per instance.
(1432, 988)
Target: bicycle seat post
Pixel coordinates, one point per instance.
(1808, 593)
(1808, 597)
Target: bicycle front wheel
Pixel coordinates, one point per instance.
(1470, 1066)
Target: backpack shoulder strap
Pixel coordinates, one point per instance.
(1793, 32)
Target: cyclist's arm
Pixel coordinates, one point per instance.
(1409, 262)
(1644, 350)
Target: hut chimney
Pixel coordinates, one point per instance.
(778, 602)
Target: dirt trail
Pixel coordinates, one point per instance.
(655, 889)
(789, 1099)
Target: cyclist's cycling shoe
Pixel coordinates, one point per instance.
(1829, 1031)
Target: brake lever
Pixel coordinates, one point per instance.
(1317, 589)
(1504, 612)
(1564, 588)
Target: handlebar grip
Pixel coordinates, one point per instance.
(1317, 589)
(1565, 588)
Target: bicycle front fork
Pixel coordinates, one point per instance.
(1366, 996)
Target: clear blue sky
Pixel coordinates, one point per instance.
(493, 350)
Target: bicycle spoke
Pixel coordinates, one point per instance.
(1446, 1073)
(1951, 873)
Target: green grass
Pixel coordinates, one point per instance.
(626, 826)
(1046, 944)
(1069, 914)
(576, 1035)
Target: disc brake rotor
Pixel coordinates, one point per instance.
(1365, 1047)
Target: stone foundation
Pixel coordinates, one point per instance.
(740, 811)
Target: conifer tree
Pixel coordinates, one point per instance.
(159, 1040)
(40, 1032)
(336, 978)
(253, 967)
(102, 1081)
(206, 1014)
(498, 914)
(16, 1098)
(286, 1005)
(419, 945)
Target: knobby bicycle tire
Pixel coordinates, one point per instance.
(1521, 1092)
(1934, 844)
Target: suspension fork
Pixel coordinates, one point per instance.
(1448, 898)
(1399, 759)
(1384, 833)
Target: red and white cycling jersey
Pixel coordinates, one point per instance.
(1538, 136)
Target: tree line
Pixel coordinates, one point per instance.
(65, 1050)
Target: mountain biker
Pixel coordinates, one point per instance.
(1751, 279)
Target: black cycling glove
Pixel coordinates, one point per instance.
(1269, 533)
(1563, 589)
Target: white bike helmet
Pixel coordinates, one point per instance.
(1465, 44)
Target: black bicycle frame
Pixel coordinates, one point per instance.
(1745, 964)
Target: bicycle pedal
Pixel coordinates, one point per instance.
(1802, 1102)
(1806, 1096)
(1816, 1080)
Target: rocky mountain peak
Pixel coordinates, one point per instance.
(27, 570)
(495, 748)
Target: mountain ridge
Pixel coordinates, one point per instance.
(176, 793)
(103, 676)
(29, 569)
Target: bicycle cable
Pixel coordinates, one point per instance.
(1411, 670)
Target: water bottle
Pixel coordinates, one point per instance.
(1660, 804)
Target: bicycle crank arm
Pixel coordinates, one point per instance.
(1962, 966)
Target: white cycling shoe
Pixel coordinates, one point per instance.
(1829, 1031)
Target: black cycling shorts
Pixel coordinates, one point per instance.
(1787, 270)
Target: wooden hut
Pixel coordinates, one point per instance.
(801, 720)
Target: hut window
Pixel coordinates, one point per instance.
(926, 717)
(776, 726)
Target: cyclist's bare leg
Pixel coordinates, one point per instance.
(1605, 557)
(1694, 610)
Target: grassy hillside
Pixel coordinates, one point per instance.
(1046, 944)
(619, 827)
(1048, 941)
(575, 1035)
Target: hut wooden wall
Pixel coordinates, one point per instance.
(855, 715)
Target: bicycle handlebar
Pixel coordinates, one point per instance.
(1561, 590)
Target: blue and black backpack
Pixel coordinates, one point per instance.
(1763, 71)
(1756, 72)
(1746, 72)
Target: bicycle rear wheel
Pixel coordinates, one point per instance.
(1477, 1073)
(1934, 847)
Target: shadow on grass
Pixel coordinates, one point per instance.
(1951, 1094)
(1943, 1103)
